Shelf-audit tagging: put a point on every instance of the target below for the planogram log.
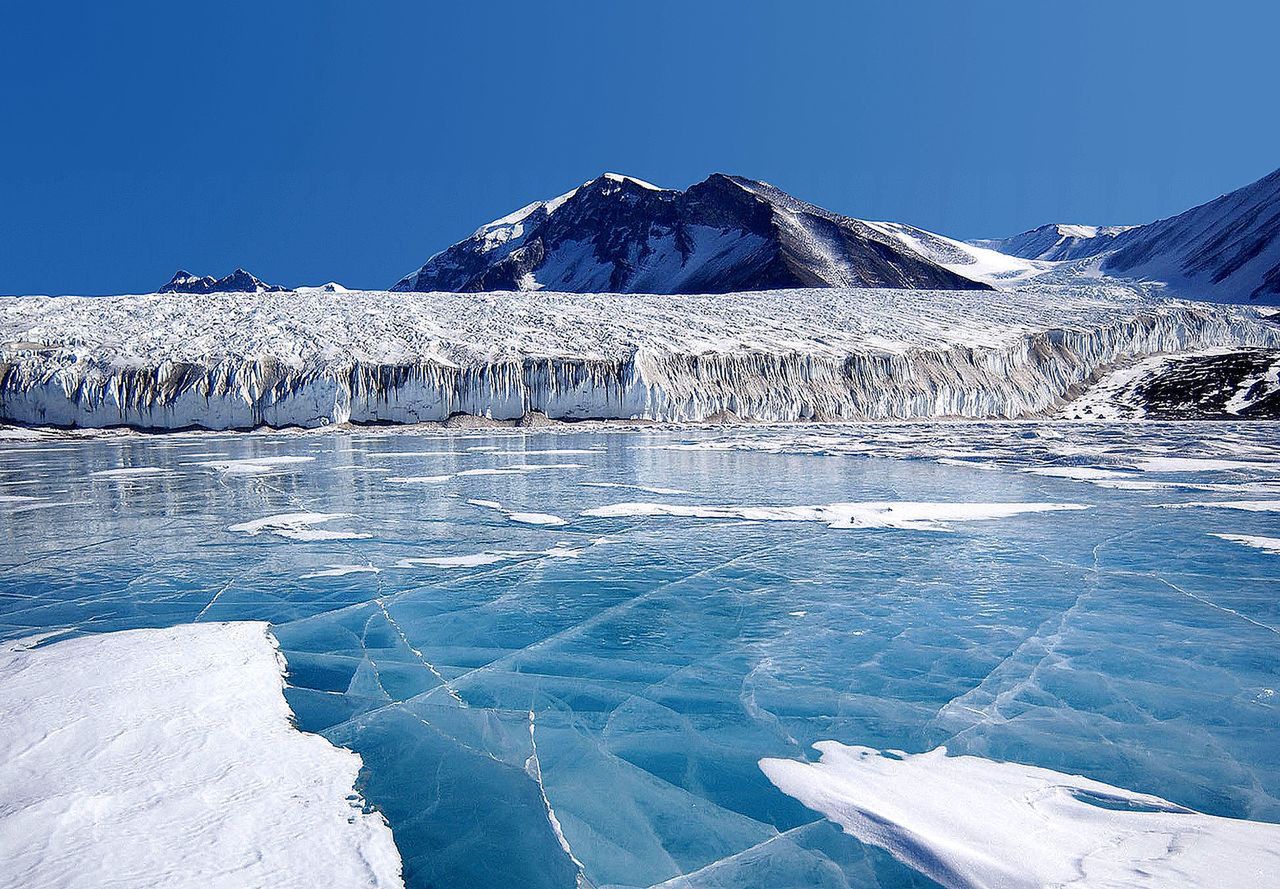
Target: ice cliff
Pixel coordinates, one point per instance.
(238, 361)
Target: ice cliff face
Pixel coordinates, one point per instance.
(233, 361)
(621, 235)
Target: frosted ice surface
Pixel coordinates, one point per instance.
(664, 655)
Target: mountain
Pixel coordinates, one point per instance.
(1227, 250)
(1057, 241)
(238, 281)
(725, 234)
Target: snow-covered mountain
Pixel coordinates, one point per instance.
(238, 281)
(616, 234)
(1057, 241)
(1227, 250)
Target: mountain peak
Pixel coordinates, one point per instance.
(616, 233)
(239, 281)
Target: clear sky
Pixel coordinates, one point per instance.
(312, 141)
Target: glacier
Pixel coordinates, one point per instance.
(312, 359)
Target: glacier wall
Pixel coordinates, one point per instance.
(1024, 373)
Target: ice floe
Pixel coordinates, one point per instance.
(1266, 544)
(968, 822)
(168, 757)
(906, 515)
(298, 526)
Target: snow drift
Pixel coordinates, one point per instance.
(238, 361)
(167, 757)
(969, 822)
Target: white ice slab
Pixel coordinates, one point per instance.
(970, 822)
(902, 514)
(1266, 544)
(152, 758)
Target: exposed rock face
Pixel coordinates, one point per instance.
(238, 281)
(726, 234)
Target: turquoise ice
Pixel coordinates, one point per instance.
(562, 655)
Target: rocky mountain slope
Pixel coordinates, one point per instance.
(725, 234)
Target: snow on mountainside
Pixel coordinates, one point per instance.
(310, 359)
(238, 281)
(1057, 242)
(726, 234)
(1227, 250)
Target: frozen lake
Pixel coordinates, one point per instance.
(562, 655)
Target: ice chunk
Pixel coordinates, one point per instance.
(167, 757)
(966, 821)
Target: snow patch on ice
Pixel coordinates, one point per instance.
(523, 518)
(907, 515)
(965, 822)
(298, 526)
(492, 557)
(252, 465)
(1266, 544)
(168, 758)
(342, 571)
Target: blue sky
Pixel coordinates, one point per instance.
(310, 141)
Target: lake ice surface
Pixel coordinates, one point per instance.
(541, 703)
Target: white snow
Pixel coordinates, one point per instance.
(648, 489)
(969, 822)
(168, 758)
(491, 557)
(342, 571)
(252, 465)
(523, 518)
(1243, 505)
(297, 526)
(130, 472)
(901, 514)
(227, 361)
(1266, 544)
